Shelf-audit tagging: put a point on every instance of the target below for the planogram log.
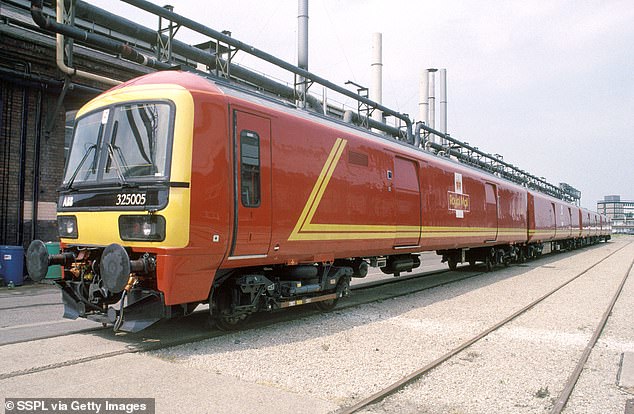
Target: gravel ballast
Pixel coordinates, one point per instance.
(344, 356)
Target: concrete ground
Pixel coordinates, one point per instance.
(213, 376)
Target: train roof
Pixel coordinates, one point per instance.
(213, 85)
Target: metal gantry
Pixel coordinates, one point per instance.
(494, 164)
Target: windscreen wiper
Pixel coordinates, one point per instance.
(122, 179)
(81, 163)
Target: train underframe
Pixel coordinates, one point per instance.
(114, 285)
(504, 255)
(235, 295)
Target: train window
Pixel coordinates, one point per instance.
(139, 140)
(84, 154)
(490, 194)
(250, 168)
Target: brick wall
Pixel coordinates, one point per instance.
(35, 54)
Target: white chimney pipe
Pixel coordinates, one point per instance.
(423, 104)
(302, 44)
(302, 34)
(432, 101)
(324, 100)
(376, 88)
(442, 96)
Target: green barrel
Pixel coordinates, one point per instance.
(55, 271)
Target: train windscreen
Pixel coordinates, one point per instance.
(121, 143)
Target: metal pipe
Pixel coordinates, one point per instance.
(324, 100)
(432, 100)
(302, 48)
(6, 108)
(59, 53)
(417, 137)
(376, 87)
(91, 13)
(35, 186)
(395, 132)
(348, 116)
(423, 99)
(197, 27)
(442, 96)
(544, 185)
(110, 45)
(130, 28)
(22, 158)
(35, 81)
(302, 34)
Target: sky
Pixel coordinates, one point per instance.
(549, 84)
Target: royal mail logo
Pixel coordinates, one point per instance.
(459, 201)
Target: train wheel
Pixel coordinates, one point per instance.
(343, 287)
(453, 263)
(229, 323)
(521, 258)
(488, 263)
(223, 316)
(327, 305)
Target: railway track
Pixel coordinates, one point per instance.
(147, 344)
(51, 336)
(569, 386)
(33, 305)
(149, 340)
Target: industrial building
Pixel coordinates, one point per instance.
(621, 212)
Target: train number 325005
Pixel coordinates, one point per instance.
(130, 199)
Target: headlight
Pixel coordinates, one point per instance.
(67, 227)
(147, 227)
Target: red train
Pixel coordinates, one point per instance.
(180, 191)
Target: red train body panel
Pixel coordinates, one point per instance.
(551, 219)
(286, 205)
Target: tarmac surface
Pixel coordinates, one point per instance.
(34, 311)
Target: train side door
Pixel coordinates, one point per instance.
(554, 219)
(491, 211)
(252, 182)
(407, 196)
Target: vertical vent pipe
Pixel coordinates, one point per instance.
(302, 46)
(376, 88)
(442, 97)
(423, 98)
(432, 101)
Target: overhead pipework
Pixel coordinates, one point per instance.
(439, 141)
(493, 164)
(59, 53)
(426, 135)
(240, 46)
(112, 46)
